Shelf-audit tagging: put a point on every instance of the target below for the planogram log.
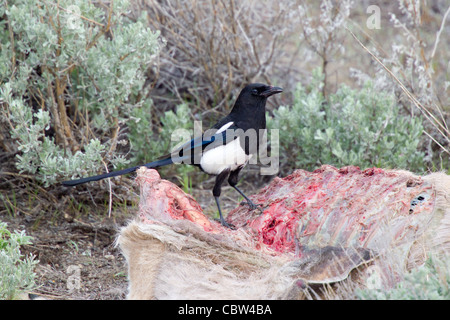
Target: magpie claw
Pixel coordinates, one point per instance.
(252, 205)
(226, 224)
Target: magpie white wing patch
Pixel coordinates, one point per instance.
(225, 127)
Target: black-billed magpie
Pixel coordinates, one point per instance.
(224, 149)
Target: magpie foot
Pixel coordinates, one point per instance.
(252, 205)
(226, 224)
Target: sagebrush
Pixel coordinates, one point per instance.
(72, 75)
(430, 281)
(361, 127)
(16, 270)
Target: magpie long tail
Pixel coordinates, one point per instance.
(154, 164)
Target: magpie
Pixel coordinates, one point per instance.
(221, 151)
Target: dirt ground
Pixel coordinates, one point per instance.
(77, 259)
(74, 240)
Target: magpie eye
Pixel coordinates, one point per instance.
(255, 91)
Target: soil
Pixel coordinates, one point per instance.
(77, 259)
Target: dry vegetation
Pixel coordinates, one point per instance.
(213, 48)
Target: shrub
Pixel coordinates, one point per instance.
(428, 282)
(72, 74)
(214, 48)
(417, 59)
(16, 270)
(354, 127)
(323, 31)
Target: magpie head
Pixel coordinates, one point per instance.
(253, 99)
(249, 108)
(260, 91)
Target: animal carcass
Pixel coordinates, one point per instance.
(330, 226)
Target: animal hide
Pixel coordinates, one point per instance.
(316, 228)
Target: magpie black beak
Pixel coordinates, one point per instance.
(271, 91)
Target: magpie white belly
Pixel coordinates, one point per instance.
(230, 156)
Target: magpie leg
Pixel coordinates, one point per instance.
(222, 220)
(250, 203)
(216, 192)
(233, 180)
